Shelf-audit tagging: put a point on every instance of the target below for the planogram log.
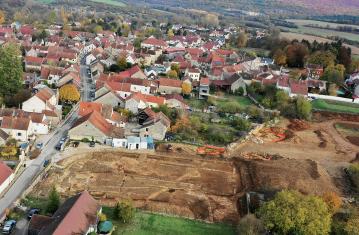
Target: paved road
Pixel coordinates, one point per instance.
(34, 166)
(86, 85)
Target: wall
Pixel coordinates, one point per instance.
(327, 97)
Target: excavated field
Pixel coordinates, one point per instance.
(182, 185)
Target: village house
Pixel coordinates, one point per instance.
(17, 128)
(154, 43)
(193, 73)
(153, 124)
(6, 176)
(112, 117)
(169, 86)
(175, 101)
(33, 64)
(77, 215)
(314, 71)
(204, 88)
(138, 101)
(40, 125)
(231, 84)
(94, 126)
(44, 99)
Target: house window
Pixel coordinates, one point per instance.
(146, 128)
(19, 134)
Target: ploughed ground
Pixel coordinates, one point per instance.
(179, 182)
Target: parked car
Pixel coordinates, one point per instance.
(92, 144)
(33, 211)
(46, 163)
(9, 226)
(39, 145)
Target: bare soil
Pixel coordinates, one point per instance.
(177, 181)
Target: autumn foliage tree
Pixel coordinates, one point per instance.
(172, 74)
(291, 212)
(296, 54)
(280, 57)
(69, 93)
(186, 88)
(333, 201)
(2, 17)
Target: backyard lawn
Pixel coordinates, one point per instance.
(153, 224)
(335, 106)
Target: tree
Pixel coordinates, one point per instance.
(69, 93)
(353, 171)
(351, 227)
(250, 225)
(296, 54)
(354, 66)
(10, 70)
(122, 63)
(333, 201)
(102, 217)
(53, 201)
(290, 212)
(280, 57)
(334, 74)
(2, 17)
(170, 33)
(281, 98)
(241, 124)
(172, 74)
(97, 29)
(324, 58)
(304, 108)
(52, 17)
(186, 88)
(242, 40)
(124, 211)
(176, 68)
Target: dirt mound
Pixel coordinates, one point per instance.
(302, 175)
(323, 141)
(298, 125)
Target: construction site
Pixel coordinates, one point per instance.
(208, 182)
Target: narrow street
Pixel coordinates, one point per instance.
(33, 167)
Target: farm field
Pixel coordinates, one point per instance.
(320, 32)
(335, 106)
(311, 38)
(110, 2)
(152, 224)
(320, 23)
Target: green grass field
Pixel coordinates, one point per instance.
(335, 106)
(302, 29)
(154, 224)
(110, 2)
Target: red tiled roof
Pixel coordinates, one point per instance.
(170, 82)
(15, 123)
(5, 172)
(118, 86)
(299, 87)
(86, 108)
(45, 94)
(34, 60)
(155, 42)
(148, 98)
(204, 81)
(79, 217)
(97, 120)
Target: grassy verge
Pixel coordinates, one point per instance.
(152, 224)
(335, 106)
